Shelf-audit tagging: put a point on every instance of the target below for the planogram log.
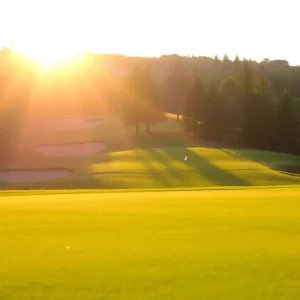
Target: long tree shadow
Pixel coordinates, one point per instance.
(165, 159)
(267, 160)
(150, 166)
(264, 158)
(258, 165)
(74, 183)
(154, 173)
(234, 154)
(212, 172)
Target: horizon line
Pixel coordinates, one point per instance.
(170, 54)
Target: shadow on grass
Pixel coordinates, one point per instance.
(169, 158)
(235, 154)
(165, 158)
(265, 158)
(279, 162)
(89, 182)
(146, 159)
(212, 172)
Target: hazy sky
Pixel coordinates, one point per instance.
(253, 29)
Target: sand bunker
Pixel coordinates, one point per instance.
(77, 123)
(32, 176)
(71, 149)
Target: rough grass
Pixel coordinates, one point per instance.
(172, 245)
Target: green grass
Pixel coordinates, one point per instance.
(157, 162)
(171, 245)
(223, 225)
(165, 168)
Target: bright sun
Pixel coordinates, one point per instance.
(54, 32)
(49, 56)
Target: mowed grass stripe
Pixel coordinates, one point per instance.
(166, 168)
(41, 192)
(205, 167)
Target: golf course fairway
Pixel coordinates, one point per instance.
(210, 244)
(150, 168)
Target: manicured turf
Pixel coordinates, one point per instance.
(215, 236)
(165, 168)
(241, 244)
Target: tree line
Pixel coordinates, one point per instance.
(239, 110)
(244, 112)
(237, 104)
(240, 101)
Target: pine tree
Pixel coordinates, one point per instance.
(141, 102)
(237, 64)
(287, 123)
(194, 106)
(175, 90)
(229, 87)
(226, 62)
(237, 60)
(217, 62)
(264, 112)
(152, 107)
(213, 115)
(232, 107)
(247, 106)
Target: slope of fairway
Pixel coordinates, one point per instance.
(173, 245)
(165, 168)
(205, 167)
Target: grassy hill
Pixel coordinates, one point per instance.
(165, 168)
(154, 161)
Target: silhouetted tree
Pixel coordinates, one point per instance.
(141, 102)
(265, 115)
(217, 62)
(153, 110)
(213, 114)
(256, 106)
(194, 105)
(176, 85)
(226, 62)
(231, 104)
(248, 106)
(287, 123)
(237, 60)
(229, 87)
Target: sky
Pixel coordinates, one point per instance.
(254, 29)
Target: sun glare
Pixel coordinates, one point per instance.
(49, 57)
